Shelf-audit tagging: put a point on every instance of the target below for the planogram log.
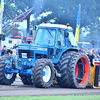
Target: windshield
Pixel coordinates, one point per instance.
(61, 38)
(45, 36)
(72, 39)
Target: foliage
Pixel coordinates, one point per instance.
(63, 11)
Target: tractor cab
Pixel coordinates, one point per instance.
(56, 38)
(55, 35)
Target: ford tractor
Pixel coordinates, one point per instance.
(52, 55)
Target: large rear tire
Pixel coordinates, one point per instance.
(5, 79)
(79, 70)
(62, 68)
(26, 80)
(43, 73)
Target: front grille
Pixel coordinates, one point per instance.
(30, 54)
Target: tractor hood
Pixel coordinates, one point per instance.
(32, 47)
(31, 51)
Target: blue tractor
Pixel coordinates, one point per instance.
(51, 56)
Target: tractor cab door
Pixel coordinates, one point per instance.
(61, 38)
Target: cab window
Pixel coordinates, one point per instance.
(61, 41)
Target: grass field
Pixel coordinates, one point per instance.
(18, 76)
(69, 97)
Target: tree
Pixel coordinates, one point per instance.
(14, 9)
(63, 12)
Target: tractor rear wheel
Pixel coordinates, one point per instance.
(26, 80)
(5, 79)
(62, 68)
(43, 73)
(79, 71)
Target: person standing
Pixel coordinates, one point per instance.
(14, 46)
(10, 52)
(14, 51)
(17, 51)
(95, 52)
(92, 58)
(4, 51)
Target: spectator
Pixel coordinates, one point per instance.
(97, 71)
(14, 46)
(95, 53)
(4, 51)
(81, 49)
(91, 57)
(10, 52)
(15, 51)
(85, 49)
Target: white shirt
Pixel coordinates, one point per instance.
(14, 51)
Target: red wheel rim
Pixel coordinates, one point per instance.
(85, 75)
(76, 71)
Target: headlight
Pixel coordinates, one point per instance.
(30, 60)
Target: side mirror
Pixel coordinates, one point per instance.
(66, 34)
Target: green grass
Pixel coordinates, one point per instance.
(69, 97)
(18, 76)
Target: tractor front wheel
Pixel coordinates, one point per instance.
(43, 73)
(5, 79)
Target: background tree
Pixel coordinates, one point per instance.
(63, 12)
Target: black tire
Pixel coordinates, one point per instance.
(37, 73)
(62, 68)
(26, 80)
(3, 78)
(78, 71)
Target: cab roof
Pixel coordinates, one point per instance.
(56, 26)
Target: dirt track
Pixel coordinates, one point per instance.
(18, 89)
